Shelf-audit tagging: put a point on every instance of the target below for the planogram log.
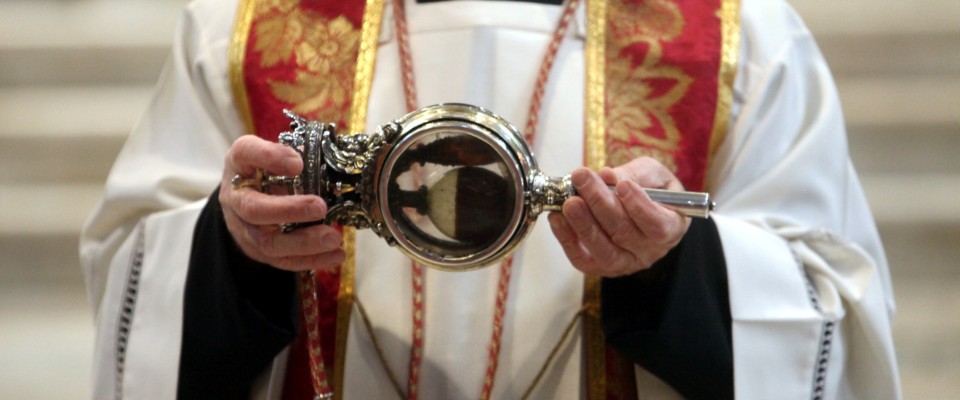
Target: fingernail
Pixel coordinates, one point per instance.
(330, 240)
(290, 163)
(626, 190)
(554, 222)
(575, 211)
(319, 209)
(579, 178)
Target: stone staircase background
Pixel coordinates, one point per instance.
(76, 74)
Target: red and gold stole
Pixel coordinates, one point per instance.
(659, 83)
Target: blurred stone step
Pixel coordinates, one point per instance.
(78, 111)
(39, 229)
(65, 134)
(891, 54)
(84, 41)
(923, 264)
(54, 42)
(31, 257)
(901, 100)
(81, 23)
(879, 16)
(905, 149)
(81, 65)
(48, 336)
(38, 209)
(920, 253)
(77, 158)
(914, 199)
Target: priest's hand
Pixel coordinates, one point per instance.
(254, 218)
(614, 234)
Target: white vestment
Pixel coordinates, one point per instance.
(800, 244)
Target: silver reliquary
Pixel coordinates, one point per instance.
(453, 186)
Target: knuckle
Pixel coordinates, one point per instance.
(597, 237)
(659, 233)
(579, 255)
(568, 242)
(626, 265)
(646, 162)
(593, 195)
(224, 197)
(312, 241)
(641, 263)
(587, 230)
(246, 207)
(286, 263)
(314, 208)
(646, 259)
(606, 258)
(239, 149)
(246, 151)
(623, 233)
(267, 243)
(584, 264)
(331, 260)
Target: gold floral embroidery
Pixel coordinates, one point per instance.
(635, 107)
(648, 21)
(638, 112)
(621, 152)
(323, 51)
(325, 66)
(264, 7)
(279, 31)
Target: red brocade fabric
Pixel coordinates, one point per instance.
(662, 76)
(301, 55)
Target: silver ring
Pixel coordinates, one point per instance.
(239, 182)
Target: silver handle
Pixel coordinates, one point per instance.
(549, 193)
(691, 204)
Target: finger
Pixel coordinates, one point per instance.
(263, 209)
(247, 235)
(569, 242)
(580, 256)
(605, 207)
(312, 240)
(324, 261)
(658, 223)
(609, 176)
(646, 171)
(602, 250)
(250, 152)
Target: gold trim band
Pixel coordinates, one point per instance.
(366, 61)
(363, 81)
(595, 112)
(236, 55)
(595, 158)
(729, 14)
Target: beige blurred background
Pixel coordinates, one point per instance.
(76, 74)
